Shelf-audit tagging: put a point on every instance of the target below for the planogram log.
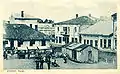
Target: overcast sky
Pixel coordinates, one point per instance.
(59, 10)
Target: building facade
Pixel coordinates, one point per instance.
(81, 52)
(43, 25)
(100, 35)
(68, 31)
(21, 36)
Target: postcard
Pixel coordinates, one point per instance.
(59, 36)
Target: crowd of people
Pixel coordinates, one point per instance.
(40, 59)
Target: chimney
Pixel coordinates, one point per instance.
(22, 13)
(36, 27)
(30, 25)
(8, 22)
(76, 15)
(89, 15)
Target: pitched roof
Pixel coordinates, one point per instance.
(83, 46)
(28, 19)
(67, 44)
(79, 47)
(74, 46)
(22, 31)
(83, 20)
(102, 27)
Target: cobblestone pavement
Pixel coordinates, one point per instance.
(30, 64)
(73, 65)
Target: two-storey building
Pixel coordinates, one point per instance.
(43, 25)
(68, 31)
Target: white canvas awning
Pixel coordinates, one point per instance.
(21, 48)
(43, 47)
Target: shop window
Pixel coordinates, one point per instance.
(91, 42)
(32, 42)
(84, 41)
(104, 43)
(100, 42)
(60, 40)
(56, 39)
(96, 43)
(109, 43)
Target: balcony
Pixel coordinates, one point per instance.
(64, 33)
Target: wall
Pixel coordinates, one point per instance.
(34, 22)
(27, 44)
(71, 33)
(109, 57)
(83, 55)
(88, 37)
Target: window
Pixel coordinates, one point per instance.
(5, 42)
(43, 43)
(56, 39)
(65, 30)
(75, 29)
(80, 38)
(63, 38)
(53, 36)
(72, 39)
(60, 40)
(67, 40)
(104, 43)
(69, 29)
(115, 43)
(58, 28)
(76, 40)
(20, 43)
(32, 42)
(36, 27)
(87, 41)
(84, 41)
(52, 25)
(109, 43)
(91, 42)
(96, 43)
(100, 42)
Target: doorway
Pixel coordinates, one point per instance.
(74, 55)
(89, 55)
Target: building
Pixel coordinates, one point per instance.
(21, 36)
(68, 31)
(43, 25)
(114, 18)
(82, 52)
(99, 35)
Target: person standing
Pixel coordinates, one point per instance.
(48, 61)
(28, 54)
(65, 58)
(37, 61)
(41, 62)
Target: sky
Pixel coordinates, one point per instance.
(58, 10)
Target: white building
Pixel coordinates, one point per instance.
(114, 18)
(45, 26)
(99, 35)
(21, 36)
(68, 31)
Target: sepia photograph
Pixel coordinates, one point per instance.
(59, 34)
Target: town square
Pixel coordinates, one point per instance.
(82, 41)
